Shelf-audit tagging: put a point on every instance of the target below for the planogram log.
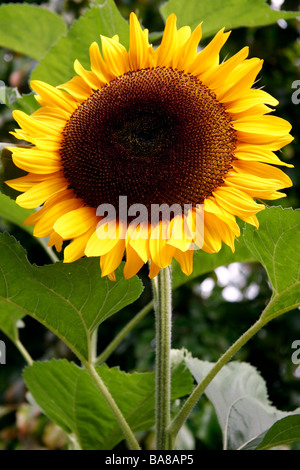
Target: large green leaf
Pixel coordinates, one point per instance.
(69, 397)
(69, 299)
(9, 317)
(239, 396)
(219, 14)
(102, 18)
(29, 29)
(276, 245)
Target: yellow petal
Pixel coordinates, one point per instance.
(133, 262)
(215, 77)
(52, 115)
(112, 260)
(38, 194)
(75, 249)
(100, 246)
(51, 202)
(274, 144)
(45, 143)
(188, 51)
(34, 126)
(265, 126)
(138, 50)
(89, 77)
(139, 241)
(115, 56)
(179, 237)
(250, 99)
(49, 216)
(154, 270)
(236, 202)
(28, 181)
(265, 173)
(217, 231)
(209, 56)
(51, 96)
(239, 82)
(78, 88)
(37, 161)
(185, 260)
(212, 237)
(76, 222)
(250, 153)
(164, 52)
(211, 206)
(55, 240)
(160, 252)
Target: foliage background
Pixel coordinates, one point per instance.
(208, 314)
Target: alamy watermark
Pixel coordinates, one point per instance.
(2, 92)
(167, 222)
(296, 94)
(295, 358)
(2, 352)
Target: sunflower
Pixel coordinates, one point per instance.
(158, 126)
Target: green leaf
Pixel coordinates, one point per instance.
(14, 100)
(104, 18)
(9, 317)
(239, 396)
(207, 262)
(11, 212)
(219, 14)
(69, 397)
(69, 299)
(26, 103)
(276, 246)
(283, 432)
(29, 29)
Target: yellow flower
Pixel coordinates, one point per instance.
(171, 126)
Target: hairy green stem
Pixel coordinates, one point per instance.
(24, 352)
(127, 431)
(93, 346)
(184, 412)
(162, 292)
(121, 335)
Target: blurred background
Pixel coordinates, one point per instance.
(209, 312)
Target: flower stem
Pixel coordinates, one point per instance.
(182, 415)
(93, 346)
(163, 308)
(128, 434)
(24, 352)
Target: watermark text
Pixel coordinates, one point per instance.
(169, 222)
(296, 94)
(296, 354)
(2, 352)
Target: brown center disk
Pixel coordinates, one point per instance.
(156, 136)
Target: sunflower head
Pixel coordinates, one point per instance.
(151, 153)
